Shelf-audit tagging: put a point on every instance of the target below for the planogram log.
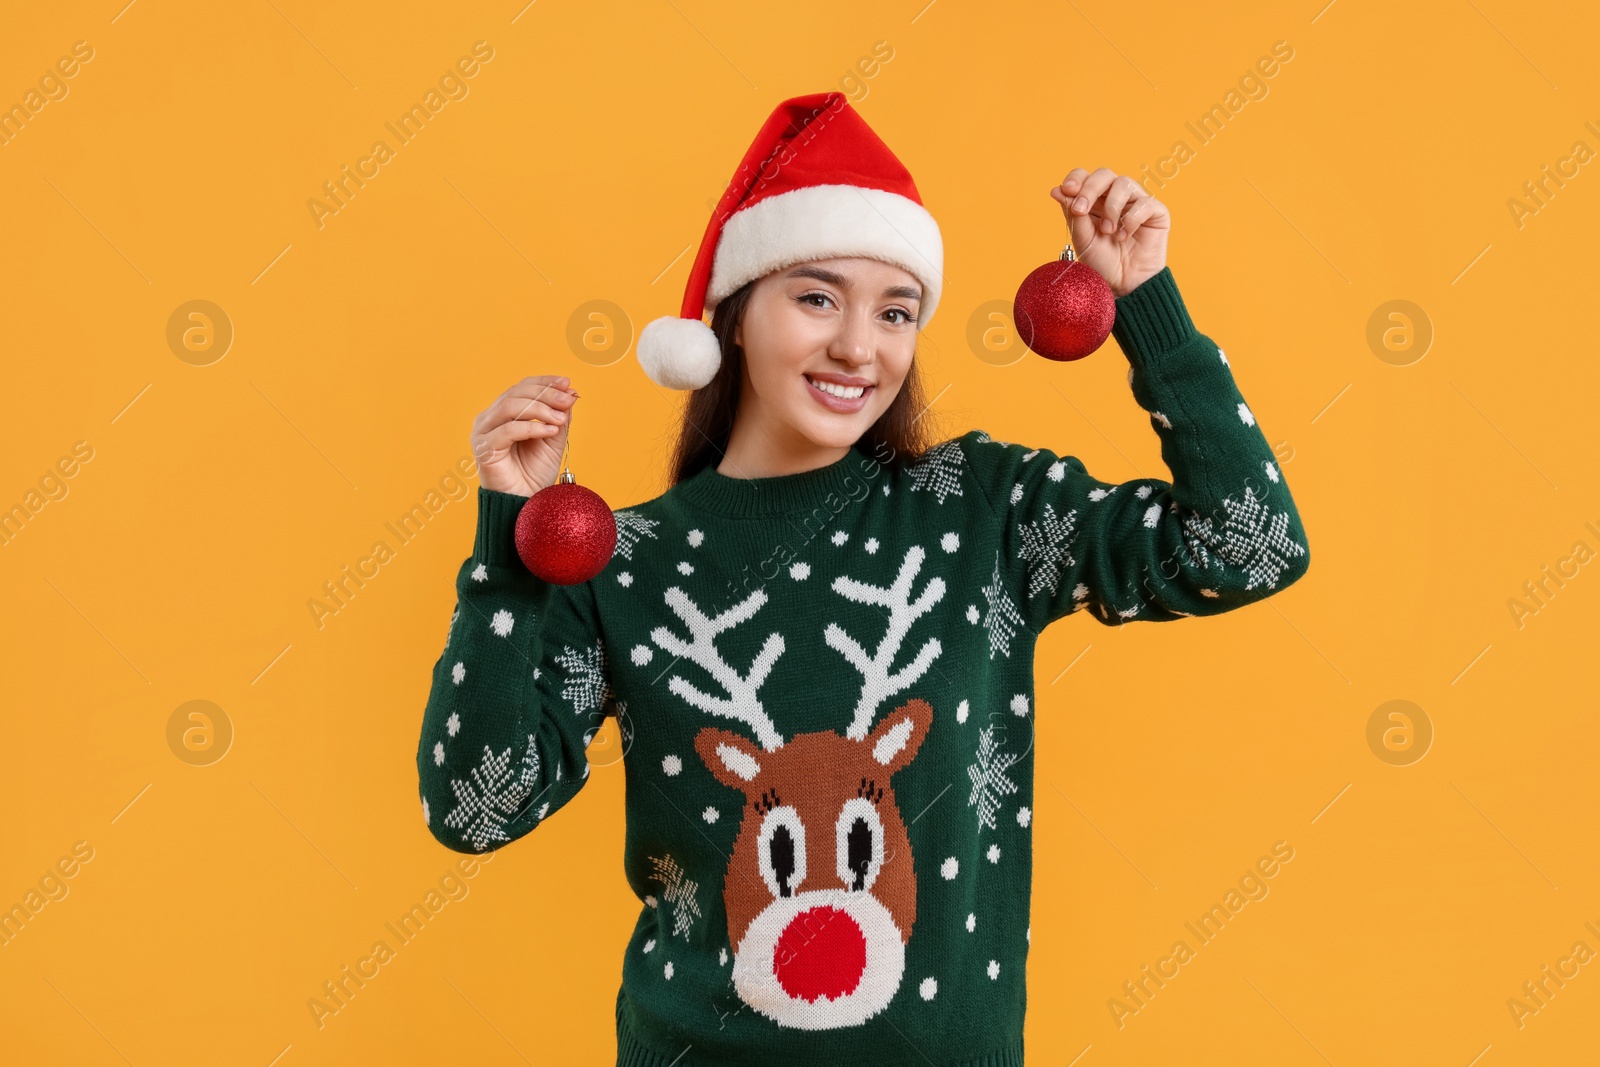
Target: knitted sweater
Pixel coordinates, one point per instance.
(824, 687)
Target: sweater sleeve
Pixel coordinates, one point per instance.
(517, 693)
(1224, 532)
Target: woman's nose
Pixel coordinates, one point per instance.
(853, 343)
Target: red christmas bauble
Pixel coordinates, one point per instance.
(1064, 310)
(565, 533)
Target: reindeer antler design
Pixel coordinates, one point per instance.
(743, 702)
(877, 683)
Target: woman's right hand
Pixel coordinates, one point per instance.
(519, 440)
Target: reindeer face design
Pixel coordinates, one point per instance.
(820, 891)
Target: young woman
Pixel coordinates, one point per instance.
(819, 641)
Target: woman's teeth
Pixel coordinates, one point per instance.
(844, 392)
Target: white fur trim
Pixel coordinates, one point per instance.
(823, 221)
(679, 353)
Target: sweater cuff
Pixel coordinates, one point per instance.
(496, 543)
(1152, 319)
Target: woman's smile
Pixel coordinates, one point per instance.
(836, 397)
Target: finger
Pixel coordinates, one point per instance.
(523, 408)
(1136, 216)
(542, 387)
(1123, 190)
(1069, 184)
(488, 447)
(535, 381)
(1091, 189)
(1154, 215)
(1081, 227)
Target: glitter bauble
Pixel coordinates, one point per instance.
(565, 533)
(1064, 309)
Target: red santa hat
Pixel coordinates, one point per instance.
(815, 183)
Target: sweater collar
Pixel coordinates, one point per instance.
(777, 494)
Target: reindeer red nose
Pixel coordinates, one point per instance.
(821, 953)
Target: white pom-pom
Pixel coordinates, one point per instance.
(679, 353)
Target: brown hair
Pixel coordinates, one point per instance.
(900, 435)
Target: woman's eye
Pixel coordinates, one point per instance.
(823, 300)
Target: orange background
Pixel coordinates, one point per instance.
(1380, 164)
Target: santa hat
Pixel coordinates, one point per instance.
(815, 183)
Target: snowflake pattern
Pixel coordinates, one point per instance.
(631, 529)
(1251, 538)
(989, 779)
(680, 893)
(1003, 619)
(938, 470)
(492, 795)
(1045, 544)
(587, 687)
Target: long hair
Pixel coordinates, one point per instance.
(899, 436)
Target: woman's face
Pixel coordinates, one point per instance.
(845, 324)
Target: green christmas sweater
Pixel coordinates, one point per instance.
(824, 687)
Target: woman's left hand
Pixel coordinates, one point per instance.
(1117, 227)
